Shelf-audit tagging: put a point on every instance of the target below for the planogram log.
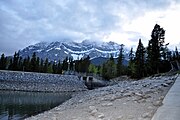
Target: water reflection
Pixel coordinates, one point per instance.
(19, 105)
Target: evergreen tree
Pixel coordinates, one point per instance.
(45, 67)
(15, 61)
(20, 64)
(54, 67)
(177, 55)
(131, 63)
(10, 67)
(3, 62)
(37, 65)
(109, 69)
(59, 68)
(33, 64)
(155, 46)
(41, 67)
(120, 61)
(65, 64)
(140, 61)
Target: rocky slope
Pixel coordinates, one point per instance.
(127, 100)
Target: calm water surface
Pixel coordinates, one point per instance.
(16, 105)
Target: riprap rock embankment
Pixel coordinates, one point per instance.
(28, 81)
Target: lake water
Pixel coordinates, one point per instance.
(15, 105)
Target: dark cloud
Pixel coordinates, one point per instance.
(25, 22)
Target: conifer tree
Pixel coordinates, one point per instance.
(131, 70)
(109, 69)
(59, 68)
(3, 62)
(41, 67)
(155, 46)
(33, 64)
(37, 65)
(65, 64)
(45, 67)
(120, 61)
(15, 61)
(140, 61)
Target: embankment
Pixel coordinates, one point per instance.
(29, 81)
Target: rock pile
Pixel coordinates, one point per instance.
(27, 81)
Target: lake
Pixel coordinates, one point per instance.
(15, 105)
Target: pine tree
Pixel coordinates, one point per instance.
(3, 62)
(140, 61)
(109, 69)
(155, 46)
(45, 67)
(15, 61)
(131, 63)
(33, 63)
(37, 65)
(120, 61)
(59, 68)
(65, 64)
(41, 67)
(54, 67)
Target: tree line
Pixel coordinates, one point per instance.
(35, 64)
(145, 61)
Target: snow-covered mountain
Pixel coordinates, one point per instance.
(55, 51)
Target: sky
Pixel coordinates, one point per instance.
(27, 22)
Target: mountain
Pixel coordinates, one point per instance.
(55, 51)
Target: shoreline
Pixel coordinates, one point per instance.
(126, 100)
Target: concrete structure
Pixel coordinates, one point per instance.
(170, 110)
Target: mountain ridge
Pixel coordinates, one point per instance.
(57, 50)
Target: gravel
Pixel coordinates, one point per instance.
(28, 81)
(126, 100)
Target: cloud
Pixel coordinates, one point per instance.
(27, 22)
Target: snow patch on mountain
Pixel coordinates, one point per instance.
(55, 51)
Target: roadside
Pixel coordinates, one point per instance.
(171, 104)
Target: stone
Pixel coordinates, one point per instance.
(107, 104)
(94, 112)
(164, 85)
(92, 108)
(150, 107)
(139, 94)
(119, 118)
(101, 115)
(161, 97)
(157, 103)
(146, 115)
(127, 94)
(80, 101)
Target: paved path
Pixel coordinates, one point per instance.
(170, 110)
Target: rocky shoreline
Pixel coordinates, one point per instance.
(127, 100)
(41, 82)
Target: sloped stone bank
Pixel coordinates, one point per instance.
(27, 81)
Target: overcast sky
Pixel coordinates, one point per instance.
(26, 22)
